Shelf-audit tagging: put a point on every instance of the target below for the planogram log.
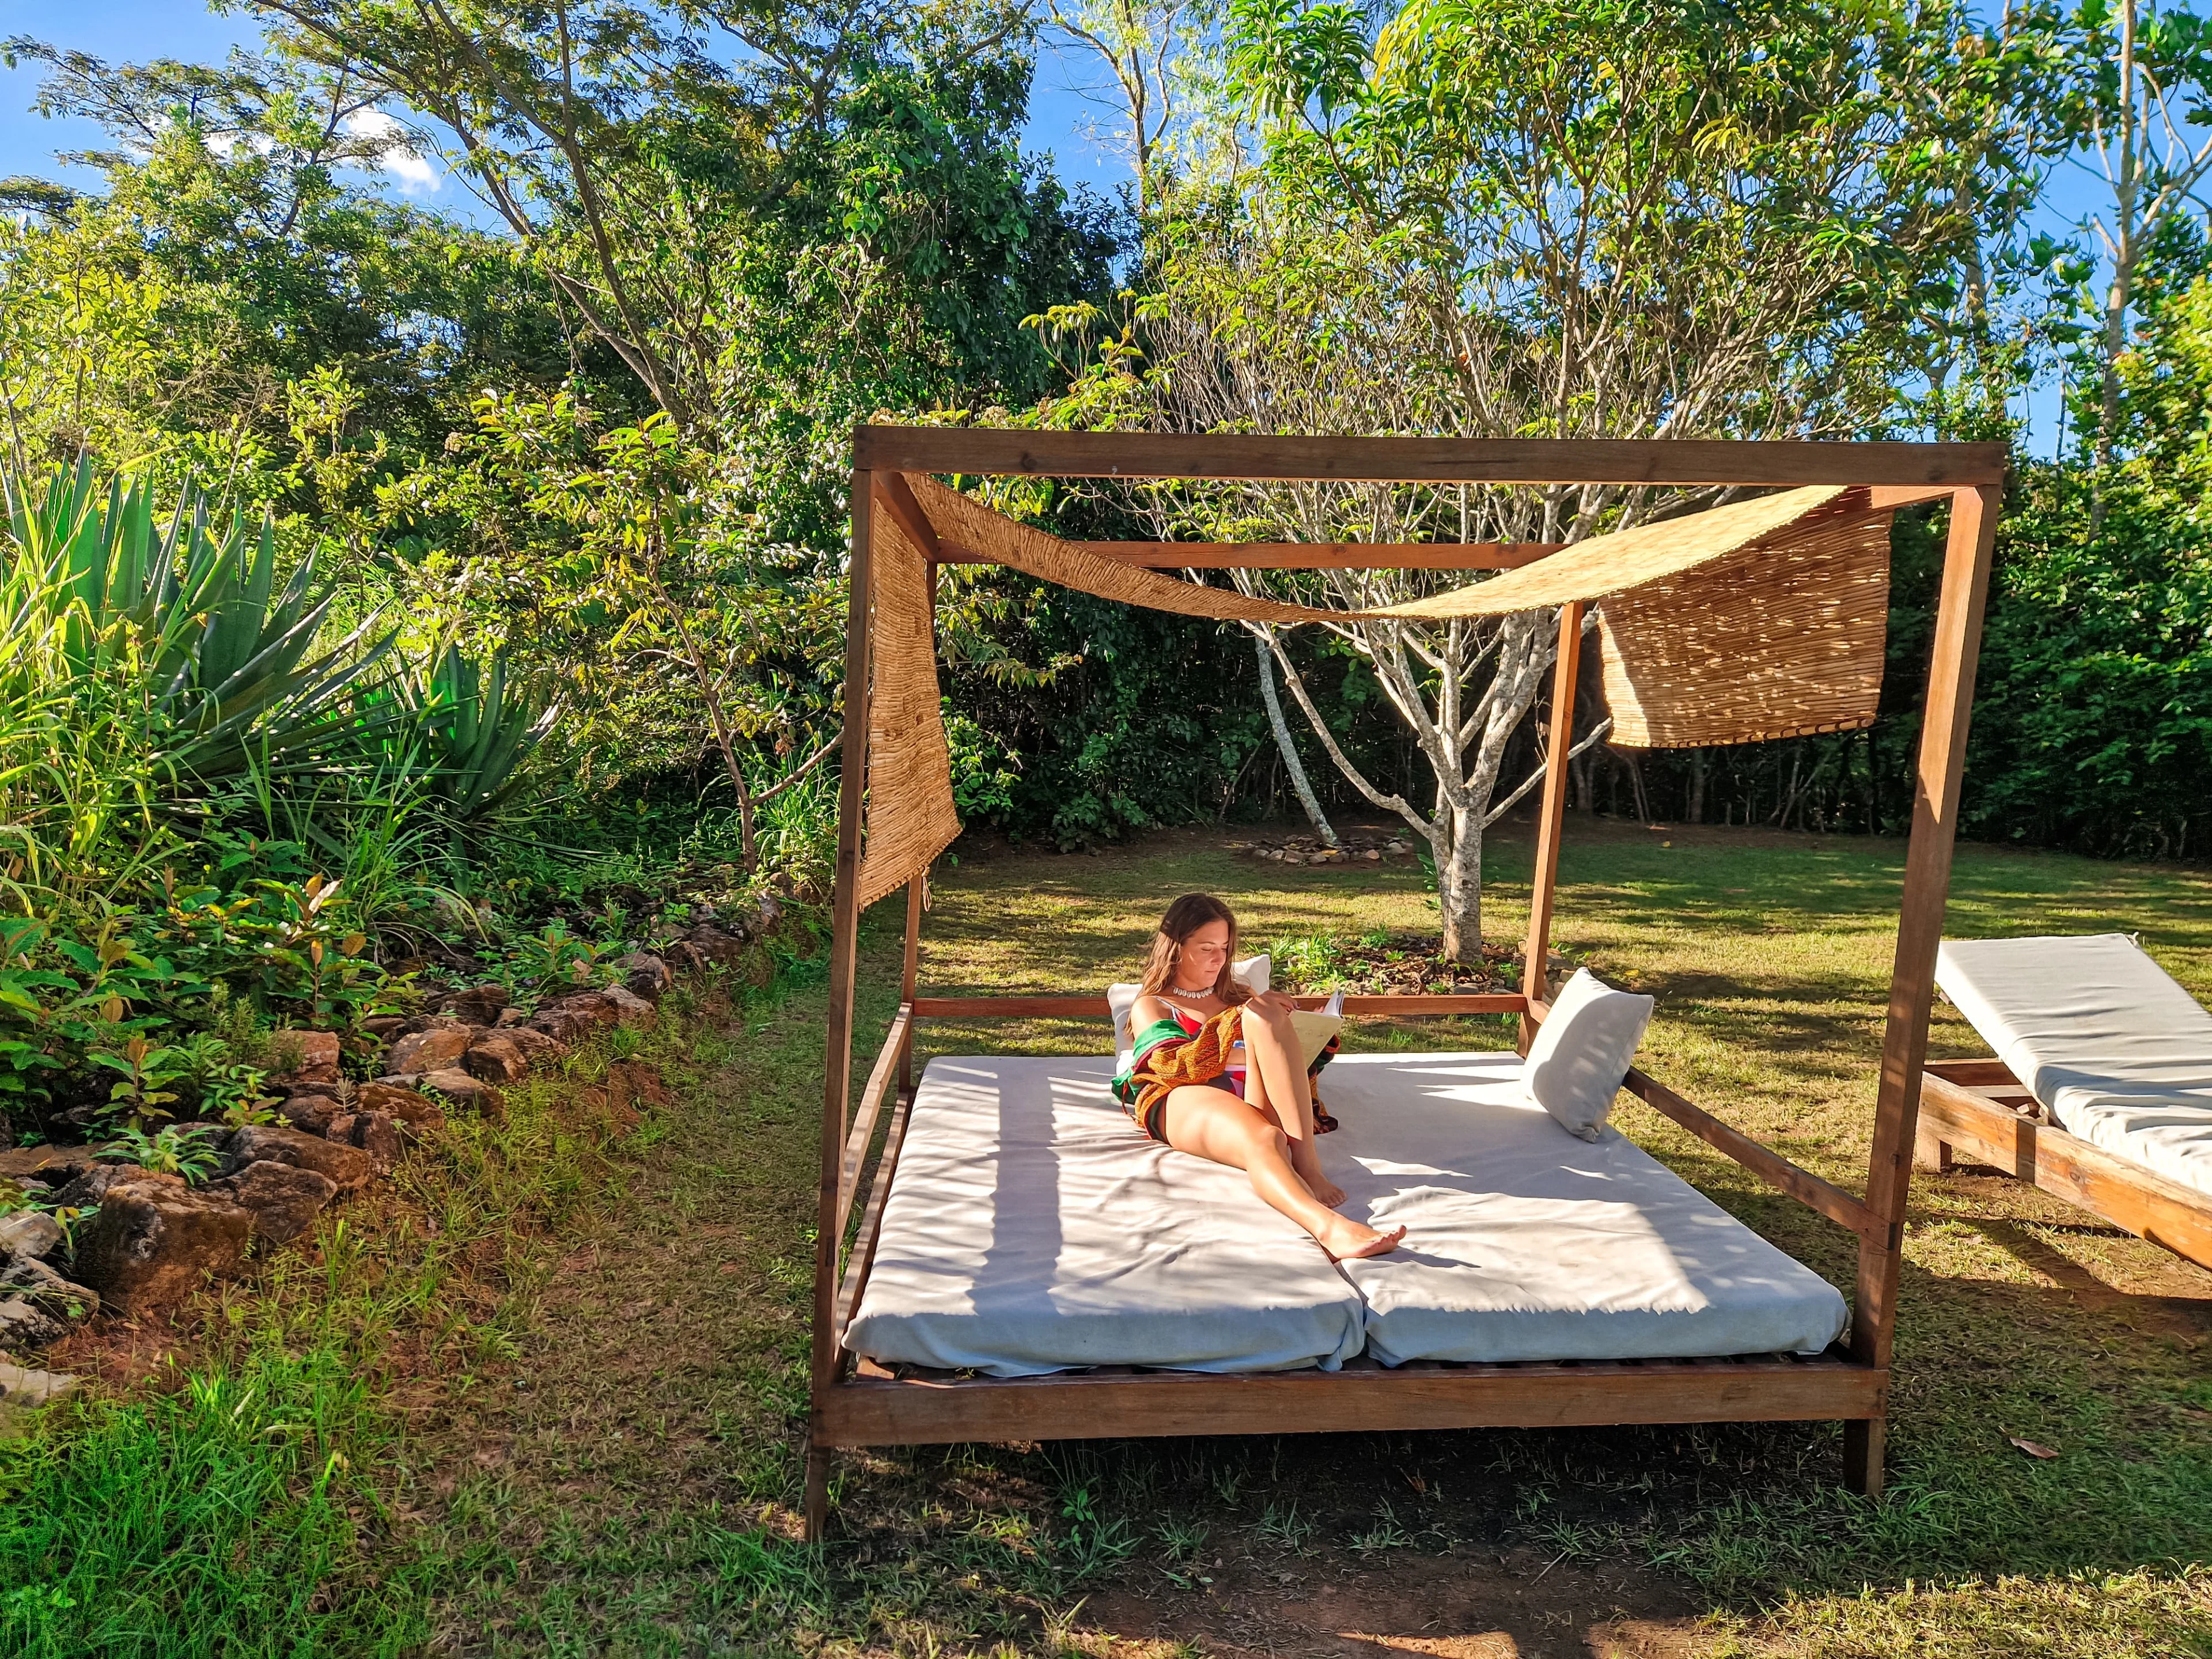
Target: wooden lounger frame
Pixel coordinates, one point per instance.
(1978, 1107)
(857, 1403)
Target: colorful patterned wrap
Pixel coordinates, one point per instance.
(1164, 1057)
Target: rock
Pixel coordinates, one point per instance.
(705, 945)
(434, 1022)
(597, 1009)
(44, 1287)
(152, 1244)
(1372, 856)
(310, 1114)
(318, 1051)
(431, 1051)
(544, 1053)
(496, 1058)
(479, 1005)
(282, 1199)
(347, 1168)
(55, 1162)
(29, 1232)
(374, 1133)
(1294, 858)
(610, 1106)
(458, 1086)
(646, 975)
(91, 1188)
(23, 1391)
(386, 1028)
(408, 1106)
(24, 1325)
(630, 1009)
(509, 1018)
(560, 1026)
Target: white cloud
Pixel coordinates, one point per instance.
(417, 174)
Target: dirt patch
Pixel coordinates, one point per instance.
(1469, 1604)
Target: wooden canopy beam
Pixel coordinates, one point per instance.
(1301, 556)
(996, 452)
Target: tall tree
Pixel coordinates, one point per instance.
(2144, 99)
(1521, 217)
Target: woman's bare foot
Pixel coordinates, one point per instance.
(1326, 1191)
(1349, 1240)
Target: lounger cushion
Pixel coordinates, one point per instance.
(1583, 1051)
(2117, 1052)
(1032, 1227)
(1253, 971)
(1524, 1242)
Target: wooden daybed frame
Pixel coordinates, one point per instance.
(1978, 1107)
(857, 1403)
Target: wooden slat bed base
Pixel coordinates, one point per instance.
(1956, 1115)
(928, 1007)
(882, 1410)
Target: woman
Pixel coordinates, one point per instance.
(1249, 1104)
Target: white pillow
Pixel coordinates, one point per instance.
(1582, 1050)
(1119, 999)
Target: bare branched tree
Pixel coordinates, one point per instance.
(1540, 221)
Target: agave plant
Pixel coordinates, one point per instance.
(475, 727)
(191, 622)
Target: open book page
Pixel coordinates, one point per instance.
(1315, 1031)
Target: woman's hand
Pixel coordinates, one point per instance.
(1274, 1000)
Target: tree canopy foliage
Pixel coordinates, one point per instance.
(582, 453)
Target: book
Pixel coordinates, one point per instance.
(1316, 1030)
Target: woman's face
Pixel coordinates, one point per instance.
(1203, 955)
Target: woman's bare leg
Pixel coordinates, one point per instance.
(1213, 1124)
(1276, 1079)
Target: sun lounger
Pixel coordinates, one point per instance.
(2101, 1086)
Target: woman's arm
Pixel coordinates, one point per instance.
(1145, 1010)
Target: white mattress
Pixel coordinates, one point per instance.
(1032, 1228)
(2117, 1052)
(1525, 1242)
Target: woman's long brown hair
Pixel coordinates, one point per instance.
(1185, 917)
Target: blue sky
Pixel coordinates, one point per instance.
(1063, 120)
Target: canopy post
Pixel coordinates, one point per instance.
(1543, 885)
(844, 952)
(1948, 705)
(917, 890)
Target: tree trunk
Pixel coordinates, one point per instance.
(2116, 296)
(1459, 884)
(1697, 814)
(1288, 749)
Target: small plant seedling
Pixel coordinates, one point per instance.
(172, 1151)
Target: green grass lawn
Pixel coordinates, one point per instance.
(595, 1448)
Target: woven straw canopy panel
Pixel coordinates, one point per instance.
(910, 817)
(1779, 639)
(1761, 619)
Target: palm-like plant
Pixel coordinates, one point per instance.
(186, 624)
